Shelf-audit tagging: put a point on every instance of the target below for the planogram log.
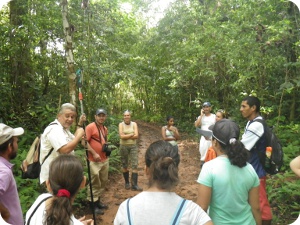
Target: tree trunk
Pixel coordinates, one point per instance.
(20, 63)
(68, 30)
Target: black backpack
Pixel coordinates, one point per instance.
(276, 160)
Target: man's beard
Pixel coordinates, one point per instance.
(13, 153)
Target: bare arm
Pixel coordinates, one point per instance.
(163, 133)
(122, 135)
(204, 196)
(70, 146)
(254, 203)
(136, 131)
(198, 121)
(176, 133)
(4, 212)
(96, 156)
(295, 165)
(165, 138)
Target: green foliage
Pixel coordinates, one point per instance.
(283, 188)
(199, 51)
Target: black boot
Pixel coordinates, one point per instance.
(101, 205)
(134, 179)
(126, 178)
(97, 210)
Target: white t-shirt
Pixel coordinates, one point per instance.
(38, 216)
(54, 136)
(159, 208)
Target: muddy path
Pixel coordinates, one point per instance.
(189, 169)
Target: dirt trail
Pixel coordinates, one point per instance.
(188, 171)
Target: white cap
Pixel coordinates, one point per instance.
(7, 132)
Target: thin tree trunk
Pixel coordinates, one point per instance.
(68, 30)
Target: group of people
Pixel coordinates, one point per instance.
(232, 186)
(237, 168)
(57, 142)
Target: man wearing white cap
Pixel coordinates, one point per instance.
(10, 207)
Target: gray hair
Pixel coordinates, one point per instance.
(66, 106)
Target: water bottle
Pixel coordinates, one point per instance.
(268, 157)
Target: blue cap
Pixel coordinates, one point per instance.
(206, 104)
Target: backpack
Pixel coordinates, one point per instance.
(31, 166)
(276, 160)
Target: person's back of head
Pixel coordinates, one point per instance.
(162, 165)
(251, 101)
(227, 132)
(65, 179)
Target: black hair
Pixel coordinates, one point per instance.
(237, 153)
(4, 146)
(251, 101)
(169, 117)
(162, 160)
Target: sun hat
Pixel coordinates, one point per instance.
(99, 111)
(224, 130)
(6, 132)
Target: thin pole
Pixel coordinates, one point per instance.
(80, 96)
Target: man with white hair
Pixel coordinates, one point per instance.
(58, 139)
(10, 208)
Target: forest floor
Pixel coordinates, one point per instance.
(189, 169)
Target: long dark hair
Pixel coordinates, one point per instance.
(162, 161)
(66, 172)
(237, 153)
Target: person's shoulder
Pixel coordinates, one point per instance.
(91, 125)
(42, 196)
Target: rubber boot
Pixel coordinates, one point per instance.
(126, 178)
(134, 179)
(97, 210)
(101, 205)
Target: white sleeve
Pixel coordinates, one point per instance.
(252, 134)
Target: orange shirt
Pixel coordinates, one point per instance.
(211, 154)
(92, 137)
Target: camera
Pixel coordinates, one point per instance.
(106, 149)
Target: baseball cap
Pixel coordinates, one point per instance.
(206, 104)
(224, 130)
(7, 132)
(99, 111)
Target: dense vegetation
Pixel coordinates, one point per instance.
(200, 50)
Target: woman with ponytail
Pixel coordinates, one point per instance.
(229, 186)
(159, 204)
(55, 208)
